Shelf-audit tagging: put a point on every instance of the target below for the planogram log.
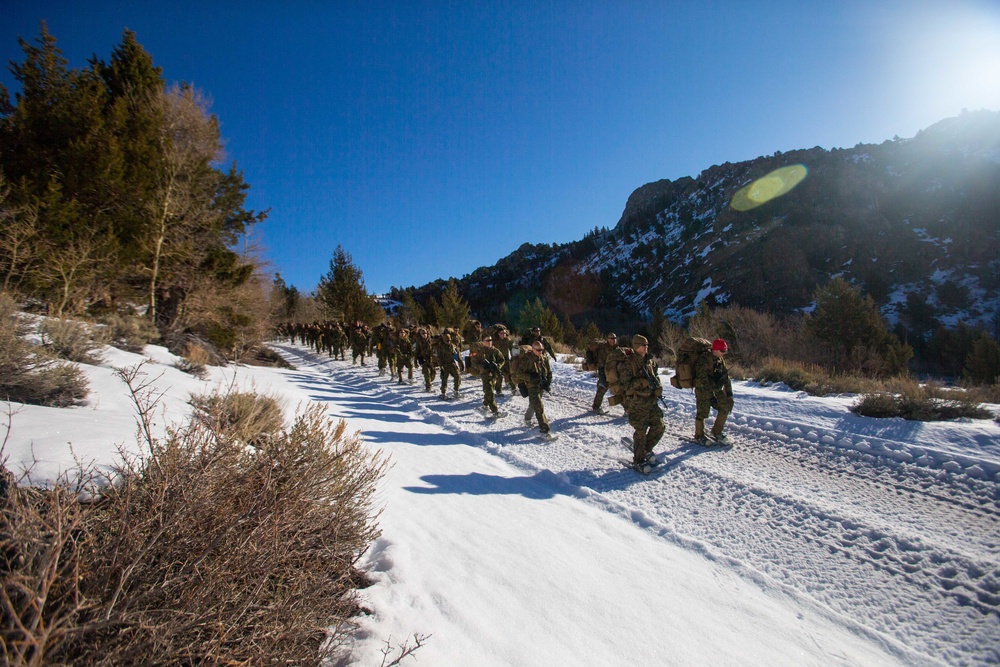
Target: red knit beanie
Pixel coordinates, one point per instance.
(720, 345)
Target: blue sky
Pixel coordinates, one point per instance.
(431, 138)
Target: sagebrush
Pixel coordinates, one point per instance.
(219, 544)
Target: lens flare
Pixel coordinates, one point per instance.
(777, 183)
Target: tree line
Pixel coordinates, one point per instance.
(114, 194)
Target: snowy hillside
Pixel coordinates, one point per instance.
(913, 222)
(819, 538)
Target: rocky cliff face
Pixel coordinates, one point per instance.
(915, 223)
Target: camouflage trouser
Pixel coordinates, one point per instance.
(451, 370)
(602, 389)
(723, 406)
(536, 409)
(489, 398)
(645, 416)
(358, 352)
(401, 363)
(429, 372)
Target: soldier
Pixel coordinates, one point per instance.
(536, 335)
(712, 389)
(425, 357)
(447, 358)
(403, 353)
(339, 341)
(359, 342)
(381, 336)
(488, 361)
(602, 379)
(641, 384)
(505, 345)
(533, 375)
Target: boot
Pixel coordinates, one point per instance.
(699, 430)
(720, 422)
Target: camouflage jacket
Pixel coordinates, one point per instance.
(710, 373)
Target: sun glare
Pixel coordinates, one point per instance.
(764, 189)
(950, 60)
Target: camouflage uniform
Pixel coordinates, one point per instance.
(641, 383)
(536, 335)
(488, 361)
(402, 352)
(536, 377)
(505, 345)
(447, 358)
(425, 357)
(359, 342)
(602, 379)
(339, 341)
(712, 389)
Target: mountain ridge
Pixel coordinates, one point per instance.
(914, 222)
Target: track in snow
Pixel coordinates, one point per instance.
(894, 540)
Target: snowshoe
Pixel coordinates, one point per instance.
(548, 437)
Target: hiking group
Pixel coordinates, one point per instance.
(628, 376)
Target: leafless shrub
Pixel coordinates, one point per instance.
(247, 417)
(28, 373)
(389, 657)
(130, 333)
(69, 339)
(195, 360)
(909, 399)
(207, 548)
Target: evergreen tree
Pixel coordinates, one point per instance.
(454, 309)
(432, 312)
(342, 292)
(982, 366)
(590, 332)
(851, 329)
(410, 311)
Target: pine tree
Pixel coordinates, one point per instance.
(342, 292)
(850, 327)
(454, 310)
(982, 366)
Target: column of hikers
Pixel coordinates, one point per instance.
(627, 376)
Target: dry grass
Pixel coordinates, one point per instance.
(195, 360)
(29, 373)
(70, 340)
(225, 543)
(910, 399)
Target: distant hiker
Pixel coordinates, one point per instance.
(505, 345)
(447, 359)
(402, 352)
(424, 353)
(600, 359)
(535, 335)
(533, 375)
(359, 342)
(712, 389)
(641, 383)
(487, 361)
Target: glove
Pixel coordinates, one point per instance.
(491, 366)
(523, 390)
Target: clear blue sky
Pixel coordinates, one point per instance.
(431, 138)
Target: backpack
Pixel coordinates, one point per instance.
(616, 356)
(590, 355)
(687, 356)
(519, 364)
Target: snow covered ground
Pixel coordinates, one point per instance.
(819, 538)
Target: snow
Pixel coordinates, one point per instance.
(819, 538)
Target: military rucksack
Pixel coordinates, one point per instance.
(687, 356)
(590, 355)
(519, 364)
(612, 367)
